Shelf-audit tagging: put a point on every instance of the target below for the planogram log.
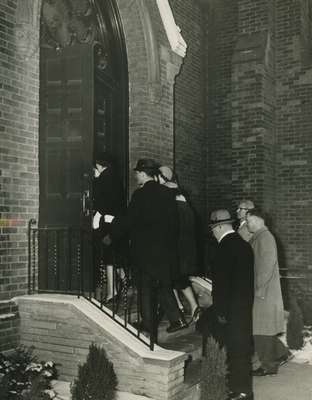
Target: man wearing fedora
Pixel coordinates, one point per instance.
(232, 294)
(152, 222)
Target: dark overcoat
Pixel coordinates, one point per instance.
(108, 199)
(233, 290)
(151, 221)
(107, 193)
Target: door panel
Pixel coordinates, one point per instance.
(66, 132)
(66, 153)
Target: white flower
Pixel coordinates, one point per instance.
(49, 364)
(47, 374)
(34, 367)
(50, 393)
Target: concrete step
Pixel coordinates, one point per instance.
(190, 343)
(191, 385)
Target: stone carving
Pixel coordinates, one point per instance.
(67, 22)
(27, 32)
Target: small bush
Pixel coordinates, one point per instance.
(213, 373)
(22, 377)
(96, 377)
(295, 325)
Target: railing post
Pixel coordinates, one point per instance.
(79, 271)
(31, 222)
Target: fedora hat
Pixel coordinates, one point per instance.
(220, 217)
(166, 173)
(146, 165)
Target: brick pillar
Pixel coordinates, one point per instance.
(253, 130)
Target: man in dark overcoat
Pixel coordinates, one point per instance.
(232, 294)
(151, 221)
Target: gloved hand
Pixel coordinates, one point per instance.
(107, 240)
(96, 220)
(222, 320)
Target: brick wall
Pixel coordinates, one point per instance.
(18, 152)
(294, 139)
(240, 103)
(260, 116)
(221, 34)
(189, 106)
(253, 105)
(9, 325)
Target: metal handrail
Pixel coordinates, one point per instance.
(45, 263)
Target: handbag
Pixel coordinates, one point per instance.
(202, 288)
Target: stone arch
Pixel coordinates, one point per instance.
(137, 20)
(152, 67)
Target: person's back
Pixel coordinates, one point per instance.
(232, 294)
(151, 221)
(154, 234)
(235, 295)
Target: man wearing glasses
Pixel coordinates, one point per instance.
(243, 208)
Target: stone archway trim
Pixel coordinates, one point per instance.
(177, 43)
(151, 45)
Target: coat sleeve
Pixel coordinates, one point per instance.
(222, 282)
(123, 224)
(265, 262)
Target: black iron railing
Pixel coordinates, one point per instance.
(61, 260)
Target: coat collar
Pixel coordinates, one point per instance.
(259, 231)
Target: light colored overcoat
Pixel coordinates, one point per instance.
(268, 309)
(244, 232)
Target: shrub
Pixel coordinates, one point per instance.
(96, 377)
(213, 372)
(295, 325)
(22, 377)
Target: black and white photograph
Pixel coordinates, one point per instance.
(155, 199)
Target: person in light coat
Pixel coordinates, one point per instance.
(242, 209)
(268, 308)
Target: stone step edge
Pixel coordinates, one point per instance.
(62, 390)
(8, 316)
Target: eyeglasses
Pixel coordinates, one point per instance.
(242, 208)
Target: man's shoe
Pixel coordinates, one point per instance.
(177, 326)
(262, 372)
(241, 396)
(284, 359)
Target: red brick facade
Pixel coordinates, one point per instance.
(190, 98)
(19, 196)
(259, 104)
(234, 116)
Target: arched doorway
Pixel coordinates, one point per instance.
(83, 111)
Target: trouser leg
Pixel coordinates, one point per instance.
(151, 295)
(168, 303)
(268, 350)
(239, 372)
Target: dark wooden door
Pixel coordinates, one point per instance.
(66, 133)
(83, 112)
(66, 156)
